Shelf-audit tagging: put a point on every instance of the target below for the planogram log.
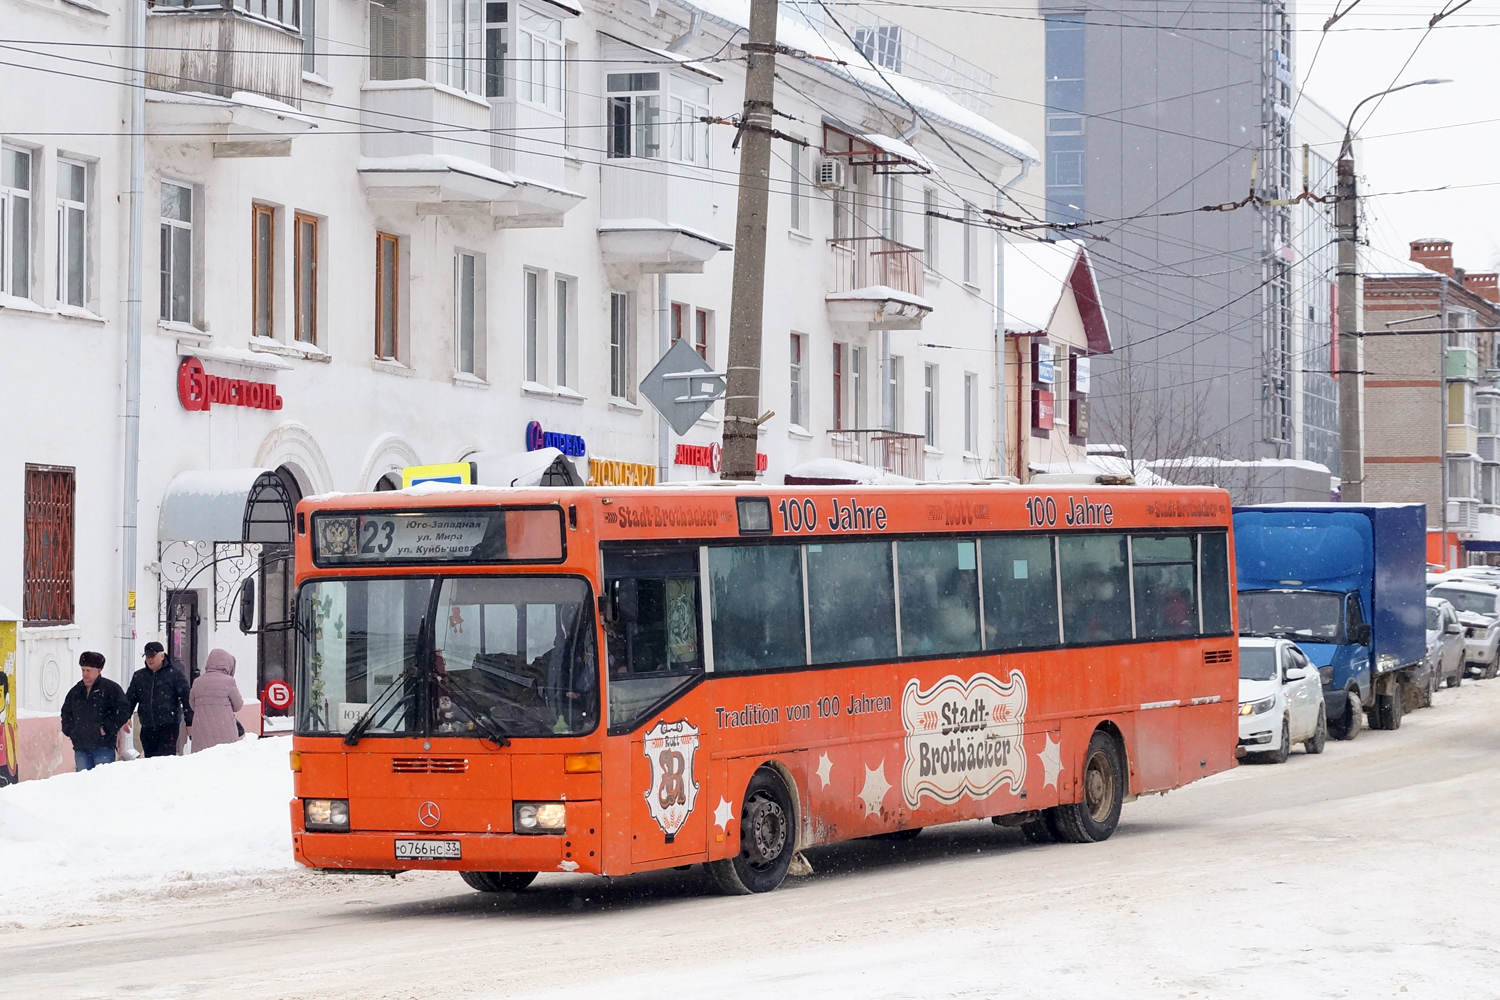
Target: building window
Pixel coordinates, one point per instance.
(48, 571)
(688, 106)
(305, 278)
(571, 124)
(971, 246)
(890, 207)
(633, 122)
(881, 45)
(465, 309)
(495, 47)
(563, 327)
(893, 399)
(702, 323)
(15, 222)
(287, 12)
(971, 413)
(398, 40)
(387, 295)
(309, 36)
(176, 253)
(798, 161)
(838, 387)
(857, 387)
(930, 403)
(530, 294)
(678, 311)
(263, 270)
(72, 232)
(460, 48)
(539, 59)
(1065, 142)
(619, 345)
(799, 385)
(930, 229)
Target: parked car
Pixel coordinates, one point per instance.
(1281, 700)
(1445, 645)
(1478, 607)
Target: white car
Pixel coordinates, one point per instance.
(1281, 700)
(1478, 607)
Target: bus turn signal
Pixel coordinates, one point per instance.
(581, 763)
(295, 757)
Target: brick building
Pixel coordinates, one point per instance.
(1429, 428)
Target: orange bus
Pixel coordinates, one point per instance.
(612, 680)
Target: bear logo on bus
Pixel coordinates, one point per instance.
(670, 749)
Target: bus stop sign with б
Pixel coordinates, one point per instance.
(682, 386)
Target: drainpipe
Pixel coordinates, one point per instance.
(1000, 341)
(664, 341)
(130, 478)
(682, 41)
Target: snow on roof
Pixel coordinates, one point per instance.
(669, 56)
(206, 505)
(855, 68)
(1037, 273)
(1203, 462)
(836, 468)
(879, 293)
(1103, 465)
(897, 148)
(433, 162)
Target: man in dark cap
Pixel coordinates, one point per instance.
(158, 693)
(93, 713)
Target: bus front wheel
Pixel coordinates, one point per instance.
(1094, 817)
(498, 881)
(767, 840)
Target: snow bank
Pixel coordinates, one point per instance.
(76, 843)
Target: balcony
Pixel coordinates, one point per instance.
(1463, 438)
(657, 215)
(890, 451)
(222, 51)
(445, 169)
(877, 284)
(1462, 363)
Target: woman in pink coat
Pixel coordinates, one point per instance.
(215, 698)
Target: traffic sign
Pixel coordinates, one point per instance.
(278, 695)
(682, 386)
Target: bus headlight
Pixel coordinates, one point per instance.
(541, 817)
(326, 814)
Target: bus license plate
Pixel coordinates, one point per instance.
(421, 850)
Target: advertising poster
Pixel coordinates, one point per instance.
(9, 768)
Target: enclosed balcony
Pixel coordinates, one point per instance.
(877, 283)
(890, 451)
(223, 50)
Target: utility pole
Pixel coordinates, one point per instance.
(747, 297)
(1351, 381)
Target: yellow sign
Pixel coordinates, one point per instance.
(606, 472)
(130, 600)
(10, 769)
(459, 473)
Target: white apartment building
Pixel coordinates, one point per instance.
(385, 235)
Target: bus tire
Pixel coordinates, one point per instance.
(1102, 786)
(498, 881)
(768, 839)
(1347, 726)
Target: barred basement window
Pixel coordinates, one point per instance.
(48, 569)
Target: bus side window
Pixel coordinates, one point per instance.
(757, 607)
(1165, 581)
(851, 600)
(1020, 592)
(1213, 567)
(651, 626)
(939, 581)
(1095, 588)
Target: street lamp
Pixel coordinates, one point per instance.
(1351, 420)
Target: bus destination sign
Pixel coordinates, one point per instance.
(464, 535)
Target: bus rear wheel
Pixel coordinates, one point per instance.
(498, 881)
(767, 840)
(1094, 817)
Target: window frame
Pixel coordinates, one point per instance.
(621, 338)
(65, 206)
(57, 574)
(797, 388)
(625, 137)
(305, 299)
(684, 120)
(383, 240)
(971, 413)
(565, 328)
(9, 243)
(167, 310)
(930, 404)
(262, 271)
(476, 313)
(552, 63)
(532, 321)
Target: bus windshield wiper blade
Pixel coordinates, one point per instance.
(359, 729)
(477, 714)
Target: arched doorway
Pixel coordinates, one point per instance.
(272, 506)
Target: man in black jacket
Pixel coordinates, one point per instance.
(159, 694)
(92, 714)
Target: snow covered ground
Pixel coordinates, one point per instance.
(77, 846)
(1370, 871)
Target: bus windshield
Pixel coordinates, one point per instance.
(494, 657)
(1314, 615)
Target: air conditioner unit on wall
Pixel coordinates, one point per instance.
(830, 173)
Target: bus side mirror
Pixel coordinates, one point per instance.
(1361, 633)
(247, 605)
(624, 602)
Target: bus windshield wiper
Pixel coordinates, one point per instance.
(359, 729)
(477, 714)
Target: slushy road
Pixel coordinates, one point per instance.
(1371, 871)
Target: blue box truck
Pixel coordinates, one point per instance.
(1347, 583)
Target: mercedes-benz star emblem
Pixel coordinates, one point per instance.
(428, 814)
